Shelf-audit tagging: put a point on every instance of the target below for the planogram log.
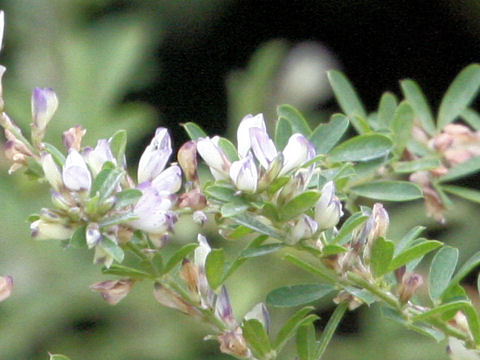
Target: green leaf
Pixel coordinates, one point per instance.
(127, 197)
(257, 338)
(364, 295)
(283, 131)
(299, 204)
(220, 192)
(454, 293)
(239, 232)
(326, 136)
(465, 269)
(194, 131)
(452, 307)
(386, 109)
(112, 249)
(466, 193)
(290, 327)
(119, 218)
(228, 148)
(56, 154)
(391, 314)
(295, 295)
(251, 221)
(347, 97)
(58, 357)
(418, 101)
(471, 117)
(461, 170)
(118, 144)
(261, 250)
(348, 226)
(411, 235)
(178, 256)
(106, 182)
(330, 329)
(441, 271)
(121, 270)
(235, 207)
(381, 256)
(388, 190)
(402, 125)
(459, 95)
(319, 270)
(362, 148)
(332, 249)
(414, 252)
(78, 239)
(306, 342)
(407, 167)
(297, 121)
(214, 267)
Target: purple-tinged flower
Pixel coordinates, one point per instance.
(223, 309)
(260, 313)
(328, 209)
(214, 156)
(409, 285)
(297, 151)
(6, 287)
(244, 174)
(263, 147)
(304, 228)
(243, 132)
(168, 181)
(51, 171)
(44, 105)
(153, 210)
(113, 291)
(76, 175)
(46, 230)
(207, 296)
(155, 157)
(95, 158)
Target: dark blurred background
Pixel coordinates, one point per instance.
(147, 63)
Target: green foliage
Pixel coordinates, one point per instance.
(296, 295)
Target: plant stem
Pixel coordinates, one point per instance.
(385, 296)
(330, 329)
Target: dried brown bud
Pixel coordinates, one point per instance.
(6, 287)
(113, 291)
(193, 199)
(189, 273)
(72, 138)
(233, 343)
(171, 299)
(408, 286)
(187, 158)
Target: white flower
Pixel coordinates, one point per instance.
(328, 209)
(214, 157)
(155, 157)
(75, 174)
(244, 174)
(297, 151)
(243, 132)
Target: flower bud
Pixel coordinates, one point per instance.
(155, 157)
(2, 71)
(113, 291)
(76, 175)
(260, 312)
(72, 138)
(304, 228)
(272, 172)
(102, 257)
(328, 209)
(380, 222)
(189, 274)
(297, 151)
(408, 286)
(244, 174)
(51, 171)
(44, 105)
(243, 132)
(170, 299)
(199, 217)
(16, 151)
(214, 157)
(93, 235)
(262, 146)
(223, 309)
(95, 158)
(6, 287)
(44, 230)
(187, 158)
